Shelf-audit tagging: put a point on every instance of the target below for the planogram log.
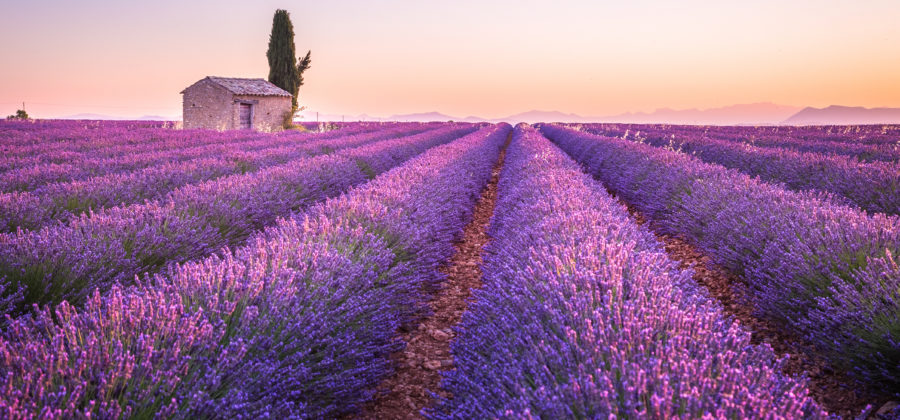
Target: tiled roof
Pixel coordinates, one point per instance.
(258, 87)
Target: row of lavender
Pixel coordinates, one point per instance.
(298, 323)
(886, 148)
(96, 250)
(18, 132)
(582, 315)
(23, 176)
(65, 200)
(120, 143)
(823, 269)
(57, 141)
(872, 186)
(866, 142)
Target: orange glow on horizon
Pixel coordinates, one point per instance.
(489, 59)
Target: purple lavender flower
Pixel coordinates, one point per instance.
(871, 186)
(65, 200)
(808, 261)
(300, 322)
(582, 315)
(97, 250)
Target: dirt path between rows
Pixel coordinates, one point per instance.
(832, 390)
(427, 353)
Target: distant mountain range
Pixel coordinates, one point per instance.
(88, 116)
(758, 113)
(842, 115)
(763, 113)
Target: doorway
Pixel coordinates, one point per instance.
(245, 120)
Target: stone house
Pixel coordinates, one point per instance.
(227, 103)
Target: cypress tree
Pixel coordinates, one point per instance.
(281, 54)
(302, 65)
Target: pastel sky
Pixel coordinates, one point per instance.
(464, 57)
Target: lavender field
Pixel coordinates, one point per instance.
(153, 272)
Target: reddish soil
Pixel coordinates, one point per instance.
(427, 353)
(833, 391)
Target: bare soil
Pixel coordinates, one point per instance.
(834, 392)
(427, 353)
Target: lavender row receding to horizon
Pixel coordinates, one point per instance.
(62, 201)
(822, 269)
(864, 143)
(66, 166)
(299, 323)
(81, 139)
(871, 186)
(96, 250)
(62, 143)
(582, 315)
(176, 144)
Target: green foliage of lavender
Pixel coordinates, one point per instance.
(582, 315)
(810, 263)
(298, 323)
(63, 201)
(97, 250)
(871, 186)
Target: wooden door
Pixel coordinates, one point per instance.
(245, 116)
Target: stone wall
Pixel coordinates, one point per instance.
(267, 112)
(208, 105)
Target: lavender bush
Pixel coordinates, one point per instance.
(582, 315)
(96, 250)
(48, 140)
(817, 267)
(298, 323)
(118, 154)
(63, 201)
(866, 142)
(874, 187)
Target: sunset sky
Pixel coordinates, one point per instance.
(488, 57)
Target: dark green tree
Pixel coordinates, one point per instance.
(302, 66)
(285, 71)
(20, 115)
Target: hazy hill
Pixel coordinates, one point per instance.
(764, 113)
(422, 116)
(89, 116)
(839, 115)
(536, 116)
(758, 113)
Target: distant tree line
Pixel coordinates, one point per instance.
(19, 115)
